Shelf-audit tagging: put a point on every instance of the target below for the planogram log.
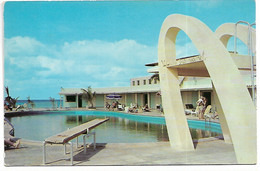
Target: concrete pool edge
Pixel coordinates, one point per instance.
(153, 113)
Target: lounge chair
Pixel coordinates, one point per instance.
(196, 112)
(210, 115)
(189, 109)
(120, 107)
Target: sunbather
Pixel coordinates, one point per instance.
(10, 142)
(146, 108)
(107, 105)
(133, 110)
(9, 138)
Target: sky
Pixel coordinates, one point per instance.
(49, 45)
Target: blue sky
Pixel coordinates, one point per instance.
(48, 45)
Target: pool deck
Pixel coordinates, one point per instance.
(160, 153)
(207, 151)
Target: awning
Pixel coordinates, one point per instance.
(113, 96)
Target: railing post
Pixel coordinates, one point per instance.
(77, 142)
(71, 152)
(94, 140)
(65, 149)
(84, 143)
(249, 46)
(44, 153)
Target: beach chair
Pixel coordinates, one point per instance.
(120, 107)
(189, 109)
(66, 136)
(196, 112)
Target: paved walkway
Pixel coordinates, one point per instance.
(207, 152)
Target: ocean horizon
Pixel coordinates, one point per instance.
(40, 103)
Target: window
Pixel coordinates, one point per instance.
(70, 98)
(150, 81)
(133, 83)
(155, 81)
(138, 82)
(144, 82)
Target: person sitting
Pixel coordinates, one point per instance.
(6, 106)
(112, 106)
(107, 105)
(10, 142)
(146, 108)
(120, 107)
(9, 139)
(133, 110)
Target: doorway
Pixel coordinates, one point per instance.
(207, 95)
(80, 101)
(145, 99)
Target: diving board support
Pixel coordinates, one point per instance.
(235, 100)
(66, 137)
(71, 152)
(84, 141)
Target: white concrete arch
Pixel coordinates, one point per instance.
(226, 79)
(225, 31)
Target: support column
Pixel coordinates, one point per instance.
(148, 100)
(105, 100)
(199, 94)
(176, 122)
(222, 118)
(136, 98)
(125, 100)
(60, 101)
(77, 100)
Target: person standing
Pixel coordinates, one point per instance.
(200, 104)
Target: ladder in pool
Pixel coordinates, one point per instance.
(251, 53)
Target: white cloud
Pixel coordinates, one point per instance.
(22, 45)
(89, 60)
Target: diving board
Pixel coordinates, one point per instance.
(65, 137)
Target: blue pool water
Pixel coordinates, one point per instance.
(121, 127)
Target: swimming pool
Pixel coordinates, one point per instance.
(121, 127)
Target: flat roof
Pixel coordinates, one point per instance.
(152, 64)
(117, 90)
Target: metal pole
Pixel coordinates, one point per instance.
(77, 142)
(84, 143)
(44, 153)
(65, 149)
(71, 152)
(252, 65)
(94, 140)
(235, 37)
(249, 45)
